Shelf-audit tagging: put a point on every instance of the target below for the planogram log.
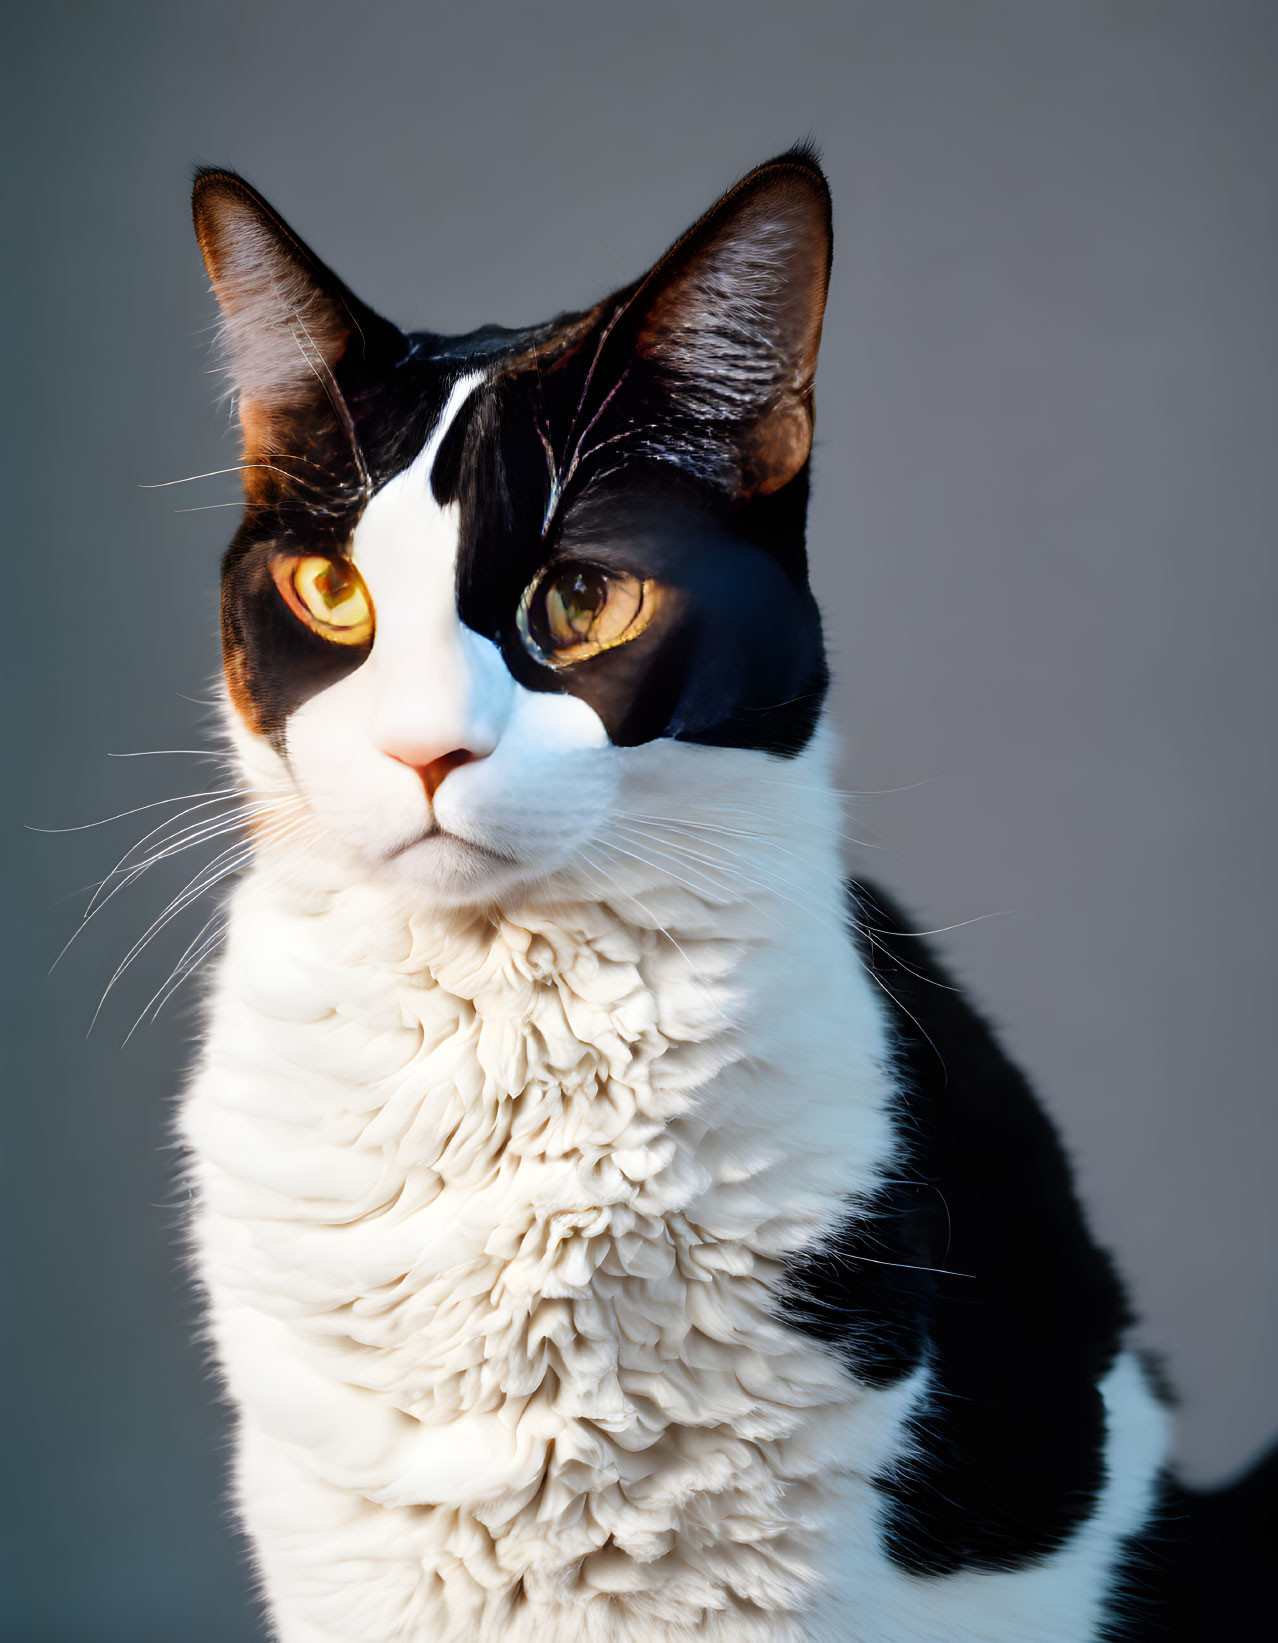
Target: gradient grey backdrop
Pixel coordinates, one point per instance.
(1043, 530)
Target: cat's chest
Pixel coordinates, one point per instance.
(493, 1213)
(570, 1108)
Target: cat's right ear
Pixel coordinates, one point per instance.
(291, 331)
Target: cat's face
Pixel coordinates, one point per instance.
(491, 590)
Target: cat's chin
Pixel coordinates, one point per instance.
(455, 871)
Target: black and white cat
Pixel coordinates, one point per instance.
(614, 1228)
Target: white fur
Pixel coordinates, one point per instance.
(507, 1118)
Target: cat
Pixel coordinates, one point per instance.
(615, 1227)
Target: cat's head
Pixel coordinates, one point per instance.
(486, 584)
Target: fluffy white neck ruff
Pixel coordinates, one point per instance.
(492, 1207)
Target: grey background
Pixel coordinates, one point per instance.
(1045, 509)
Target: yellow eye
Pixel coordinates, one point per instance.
(328, 595)
(577, 611)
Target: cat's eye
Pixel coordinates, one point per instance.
(328, 594)
(579, 610)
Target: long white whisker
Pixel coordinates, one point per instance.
(696, 829)
(776, 888)
(752, 813)
(209, 507)
(180, 970)
(647, 912)
(198, 949)
(647, 861)
(81, 827)
(236, 468)
(714, 888)
(130, 874)
(210, 827)
(944, 929)
(132, 870)
(203, 832)
(221, 867)
(774, 884)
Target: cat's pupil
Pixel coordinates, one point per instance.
(583, 594)
(334, 585)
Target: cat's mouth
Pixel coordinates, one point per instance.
(455, 870)
(441, 838)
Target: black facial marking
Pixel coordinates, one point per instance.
(661, 434)
(979, 1258)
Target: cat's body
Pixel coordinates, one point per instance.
(502, 1344)
(599, 1247)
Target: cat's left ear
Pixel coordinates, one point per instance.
(731, 318)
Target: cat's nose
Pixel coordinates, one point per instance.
(432, 770)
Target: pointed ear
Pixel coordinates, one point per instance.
(731, 317)
(289, 325)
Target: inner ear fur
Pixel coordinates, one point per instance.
(731, 317)
(288, 322)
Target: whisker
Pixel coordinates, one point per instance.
(198, 949)
(647, 912)
(904, 1266)
(753, 813)
(221, 867)
(867, 968)
(130, 873)
(773, 886)
(696, 829)
(666, 870)
(80, 827)
(209, 827)
(236, 468)
(340, 408)
(203, 832)
(164, 752)
(931, 981)
(728, 893)
(931, 1042)
(839, 792)
(239, 813)
(184, 967)
(647, 861)
(804, 900)
(944, 929)
(207, 507)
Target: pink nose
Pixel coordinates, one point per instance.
(433, 771)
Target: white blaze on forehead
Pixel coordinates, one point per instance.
(438, 686)
(404, 518)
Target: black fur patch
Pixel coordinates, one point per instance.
(995, 1277)
(1197, 1573)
